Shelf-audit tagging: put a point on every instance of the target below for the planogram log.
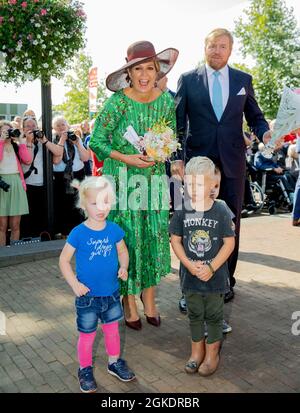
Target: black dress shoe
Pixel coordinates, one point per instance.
(251, 207)
(244, 213)
(229, 296)
(182, 305)
(135, 325)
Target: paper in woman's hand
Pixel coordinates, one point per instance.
(132, 137)
(287, 119)
(288, 116)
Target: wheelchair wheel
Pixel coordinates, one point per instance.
(272, 209)
(258, 195)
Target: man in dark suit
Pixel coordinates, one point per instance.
(162, 84)
(210, 103)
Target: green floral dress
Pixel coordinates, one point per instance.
(144, 221)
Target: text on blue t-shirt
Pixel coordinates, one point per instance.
(97, 257)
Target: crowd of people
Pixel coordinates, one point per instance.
(23, 146)
(125, 251)
(277, 174)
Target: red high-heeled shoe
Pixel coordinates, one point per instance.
(135, 325)
(154, 321)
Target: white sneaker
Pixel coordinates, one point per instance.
(226, 328)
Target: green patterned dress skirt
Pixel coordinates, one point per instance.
(142, 193)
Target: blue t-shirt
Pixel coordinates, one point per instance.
(97, 257)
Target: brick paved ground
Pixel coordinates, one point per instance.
(260, 355)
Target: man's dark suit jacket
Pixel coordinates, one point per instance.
(198, 128)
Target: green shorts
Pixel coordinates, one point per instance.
(208, 308)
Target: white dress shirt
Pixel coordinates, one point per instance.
(224, 82)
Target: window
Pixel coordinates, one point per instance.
(3, 108)
(13, 109)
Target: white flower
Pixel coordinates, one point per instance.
(44, 33)
(37, 25)
(35, 42)
(45, 65)
(28, 77)
(38, 36)
(44, 46)
(51, 53)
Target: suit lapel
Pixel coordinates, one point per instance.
(202, 74)
(232, 90)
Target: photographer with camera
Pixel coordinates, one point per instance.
(68, 166)
(36, 222)
(13, 200)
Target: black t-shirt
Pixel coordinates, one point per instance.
(202, 237)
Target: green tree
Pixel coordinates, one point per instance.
(268, 32)
(39, 38)
(75, 108)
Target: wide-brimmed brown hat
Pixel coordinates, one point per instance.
(140, 52)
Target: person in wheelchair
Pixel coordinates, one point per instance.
(250, 204)
(276, 177)
(292, 161)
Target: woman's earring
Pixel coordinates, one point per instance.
(155, 83)
(130, 83)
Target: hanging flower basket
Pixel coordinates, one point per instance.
(39, 38)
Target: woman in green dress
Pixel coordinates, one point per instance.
(139, 104)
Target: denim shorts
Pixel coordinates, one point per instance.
(91, 310)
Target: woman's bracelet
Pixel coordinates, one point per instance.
(59, 144)
(29, 146)
(211, 268)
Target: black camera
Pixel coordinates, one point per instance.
(71, 135)
(4, 185)
(13, 133)
(37, 134)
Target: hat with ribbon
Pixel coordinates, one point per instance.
(140, 52)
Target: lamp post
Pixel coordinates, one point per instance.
(48, 170)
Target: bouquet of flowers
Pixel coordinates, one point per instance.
(160, 142)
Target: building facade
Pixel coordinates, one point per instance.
(9, 110)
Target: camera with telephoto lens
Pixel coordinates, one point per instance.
(37, 134)
(4, 185)
(13, 133)
(71, 135)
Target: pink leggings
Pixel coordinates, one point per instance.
(86, 341)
